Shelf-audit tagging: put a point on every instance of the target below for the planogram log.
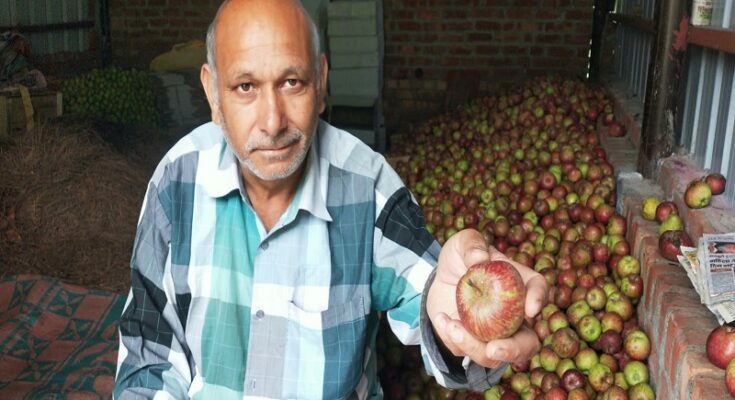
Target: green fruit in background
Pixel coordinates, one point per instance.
(113, 95)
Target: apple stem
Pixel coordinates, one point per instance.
(473, 286)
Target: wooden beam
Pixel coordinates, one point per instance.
(713, 38)
(666, 75)
(602, 10)
(642, 24)
(49, 27)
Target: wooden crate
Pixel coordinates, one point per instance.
(47, 104)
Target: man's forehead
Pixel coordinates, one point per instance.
(249, 28)
(263, 14)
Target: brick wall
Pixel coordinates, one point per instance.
(142, 29)
(670, 310)
(439, 53)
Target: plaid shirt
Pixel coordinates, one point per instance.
(220, 308)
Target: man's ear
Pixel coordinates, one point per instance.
(324, 71)
(205, 75)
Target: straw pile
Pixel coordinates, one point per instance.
(70, 205)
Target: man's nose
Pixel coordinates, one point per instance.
(271, 114)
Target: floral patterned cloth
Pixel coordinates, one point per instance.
(56, 340)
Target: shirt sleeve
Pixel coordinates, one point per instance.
(152, 361)
(406, 255)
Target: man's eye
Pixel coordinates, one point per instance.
(292, 82)
(245, 87)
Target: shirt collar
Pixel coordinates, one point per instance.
(314, 183)
(220, 175)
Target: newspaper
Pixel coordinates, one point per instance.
(711, 269)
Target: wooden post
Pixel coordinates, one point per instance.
(666, 75)
(602, 8)
(106, 43)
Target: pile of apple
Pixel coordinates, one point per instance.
(402, 373)
(672, 234)
(524, 167)
(670, 229)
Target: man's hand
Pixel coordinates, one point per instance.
(460, 252)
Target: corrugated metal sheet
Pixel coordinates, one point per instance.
(708, 127)
(708, 124)
(634, 47)
(43, 12)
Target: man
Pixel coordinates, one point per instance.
(270, 242)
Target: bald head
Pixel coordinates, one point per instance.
(262, 12)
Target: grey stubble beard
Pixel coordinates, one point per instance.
(254, 143)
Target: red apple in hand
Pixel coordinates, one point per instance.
(491, 299)
(721, 345)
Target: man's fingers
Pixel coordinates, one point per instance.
(536, 295)
(517, 348)
(471, 247)
(462, 343)
(520, 347)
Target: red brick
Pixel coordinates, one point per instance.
(639, 233)
(409, 26)
(402, 14)
(631, 207)
(455, 39)
(558, 3)
(548, 38)
(693, 364)
(457, 26)
(576, 39)
(460, 50)
(492, 13)
(559, 26)
(671, 301)
(455, 14)
(578, 14)
(707, 387)
(178, 22)
(663, 388)
(548, 13)
(684, 332)
(560, 52)
(649, 252)
(488, 50)
(480, 37)
(654, 368)
(431, 15)
(513, 50)
(449, 61)
(519, 13)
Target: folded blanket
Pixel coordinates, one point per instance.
(56, 340)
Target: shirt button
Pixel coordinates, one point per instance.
(259, 314)
(264, 246)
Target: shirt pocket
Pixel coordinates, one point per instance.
(339, 334)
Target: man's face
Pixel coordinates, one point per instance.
(268, 95)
